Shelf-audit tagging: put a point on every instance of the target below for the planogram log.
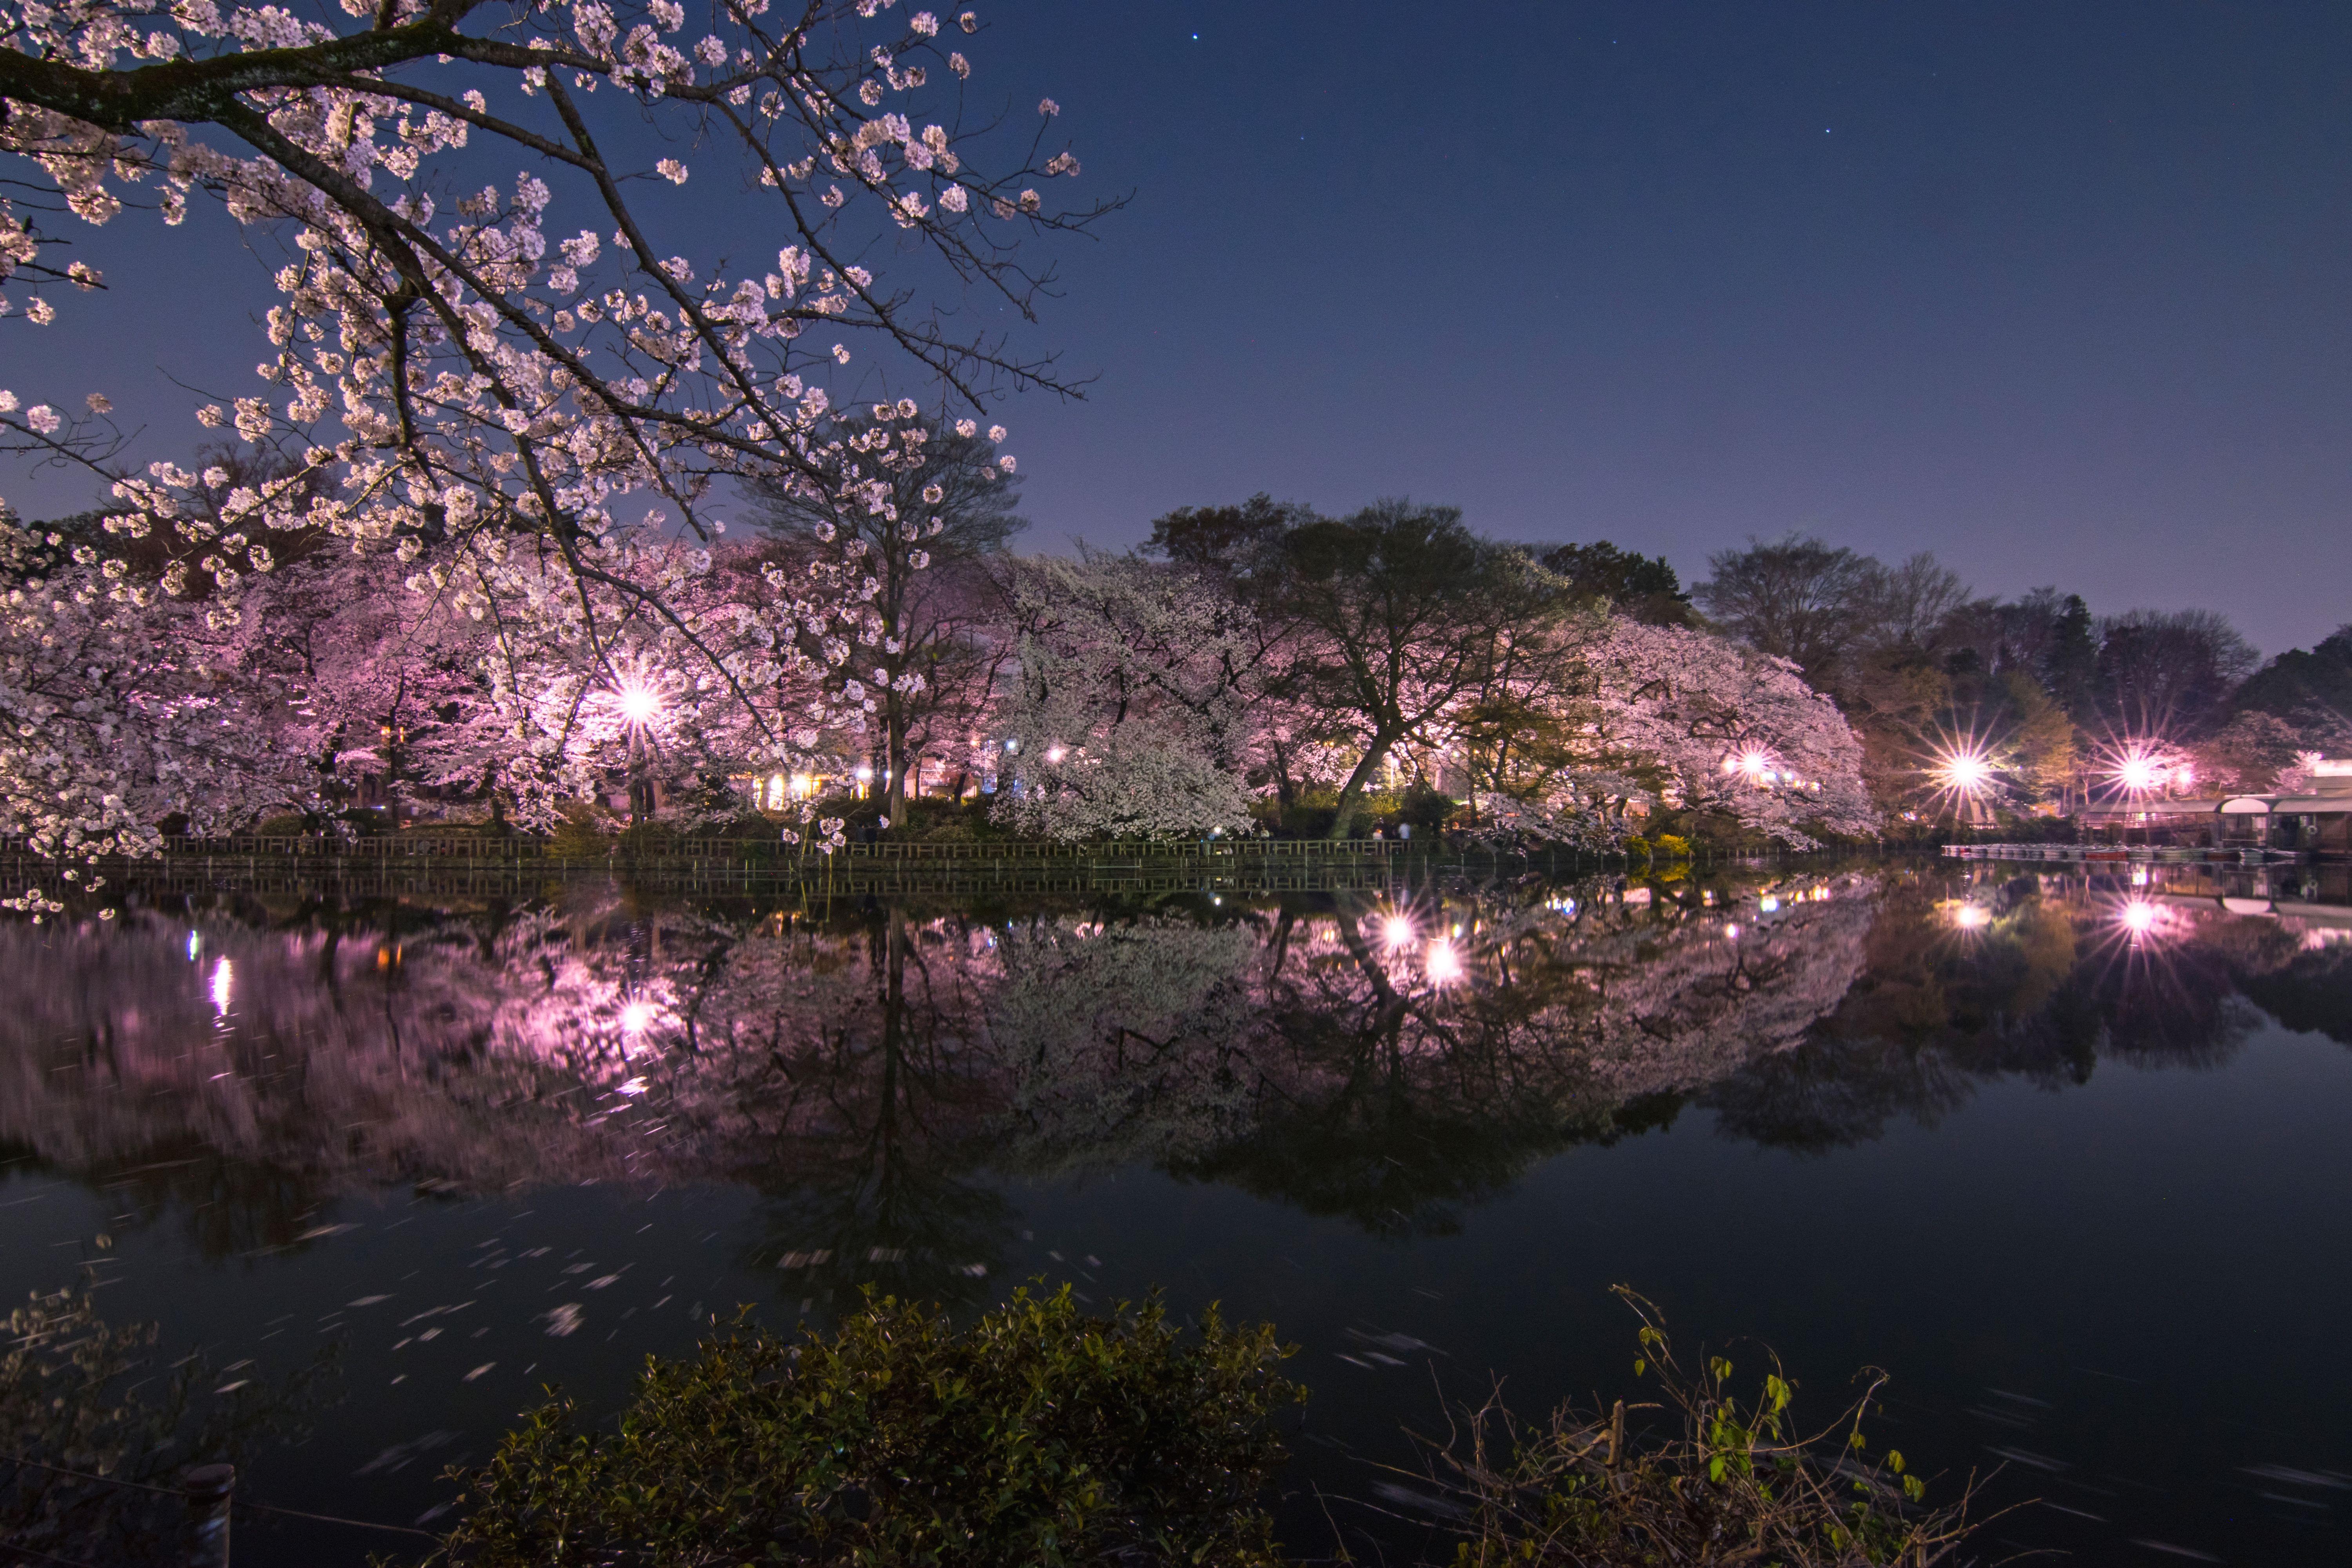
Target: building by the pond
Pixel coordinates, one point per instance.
(2314, 819)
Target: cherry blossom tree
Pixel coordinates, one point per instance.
(1724, 731)
(468, 388)
(121, 708)
(930, 637)
(1128, 716)
(1400, 615)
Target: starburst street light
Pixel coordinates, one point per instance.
(1964, 771)
(2149, 767)
(639, 703)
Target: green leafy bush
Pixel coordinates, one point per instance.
(585, 829)
(1733, 1480)
(1428, 809)
(1037, 1436)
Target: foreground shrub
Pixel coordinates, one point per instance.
(1727, 1482)
(1039, 1436)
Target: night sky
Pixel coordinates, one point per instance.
(2057, 292)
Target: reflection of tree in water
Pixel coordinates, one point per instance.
(866, 1179)
(246, 1074)
(2297, 971)
(2055, 980)
(2310, 993)
(876, 1074)
(1398, 1104)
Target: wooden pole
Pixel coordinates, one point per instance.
(208, 1487)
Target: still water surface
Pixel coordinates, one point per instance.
(2067, 1155)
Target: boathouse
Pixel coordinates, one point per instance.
(2313, 819)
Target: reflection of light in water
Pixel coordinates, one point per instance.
(1731, 933)
(1767, 904)
(2140, 876)
(195, 945)
(1443, 965)
(636, 1015)
(1056, 754)
(223, 977)
(1397, 931)
(1970, 917)
(633, 1085)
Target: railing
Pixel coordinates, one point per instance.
(406, 845)
(2162, 854)
(467, 864)
(208, 1493)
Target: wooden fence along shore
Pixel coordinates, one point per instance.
(457, 866)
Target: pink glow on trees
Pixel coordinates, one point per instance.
(1680, 704)
(469, 386)
(1133, 675)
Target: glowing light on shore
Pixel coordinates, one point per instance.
(1442, 965)
(1397, 932)
(2140, 917)
(2142, 767)
(1972, 917)
(639, 703)
(1964, 771)
(637, 1017)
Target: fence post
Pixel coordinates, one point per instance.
(208, 1487)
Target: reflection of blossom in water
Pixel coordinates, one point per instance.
(868, 1074)
(1120, 1045)
(332, 1073)
(1043, 1045)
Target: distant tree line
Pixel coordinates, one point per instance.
(1251, 667)
(2050, 693)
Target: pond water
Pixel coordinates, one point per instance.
(2067, 1155)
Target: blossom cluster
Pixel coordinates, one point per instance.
(491, 396)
